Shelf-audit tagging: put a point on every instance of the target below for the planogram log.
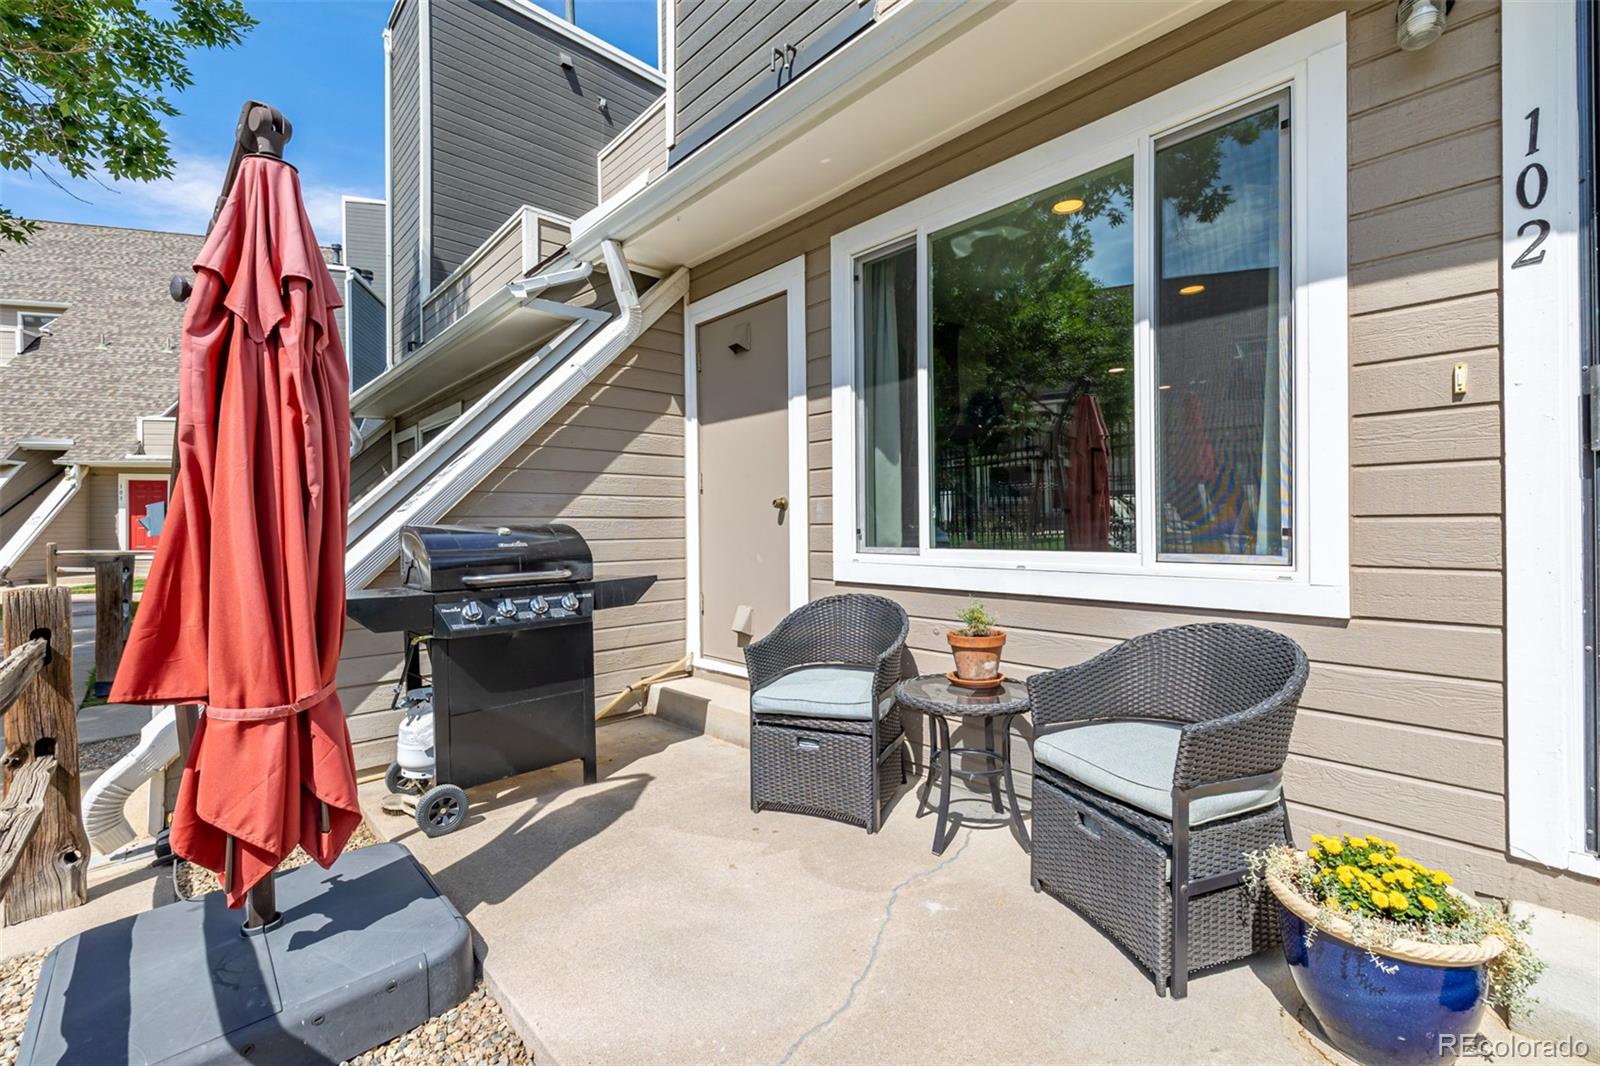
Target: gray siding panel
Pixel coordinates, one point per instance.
(365, 241)
(406, 178)
(725, 55)
(511, 126)
(364, 336)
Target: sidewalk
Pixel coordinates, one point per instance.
(107, 720)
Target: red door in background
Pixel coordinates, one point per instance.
(142, 494)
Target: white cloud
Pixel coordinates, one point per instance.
(182, 202)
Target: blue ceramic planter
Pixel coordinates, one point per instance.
(1382, 1018)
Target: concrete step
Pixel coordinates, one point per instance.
(716, 705)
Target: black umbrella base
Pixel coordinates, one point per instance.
(365, 951)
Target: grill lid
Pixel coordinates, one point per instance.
(453, 558)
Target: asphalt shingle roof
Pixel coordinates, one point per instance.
(113, 355)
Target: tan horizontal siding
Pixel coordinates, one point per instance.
(491, 268)
(1404, 712)
(611, 464)
(642, 151)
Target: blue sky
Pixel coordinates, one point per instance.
(321, 63)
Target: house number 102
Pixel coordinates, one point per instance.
(1532, 184)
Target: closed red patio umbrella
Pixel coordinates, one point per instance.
(1088, 495)
(243, 610)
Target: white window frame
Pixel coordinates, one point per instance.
(53, 310)
(414, 432)
(1310, 64)
(1542, 406)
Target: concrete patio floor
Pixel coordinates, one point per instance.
(652, 918)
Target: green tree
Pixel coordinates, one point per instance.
(83, 85)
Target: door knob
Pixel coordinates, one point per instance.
(780, 502)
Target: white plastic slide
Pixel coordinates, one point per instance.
(103, 804)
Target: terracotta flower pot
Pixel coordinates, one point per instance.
(977, 658)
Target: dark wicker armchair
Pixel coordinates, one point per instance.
(1157, 769)
(823, 726)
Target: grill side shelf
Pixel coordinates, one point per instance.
(391, 610)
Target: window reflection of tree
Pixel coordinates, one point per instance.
(1021, 327)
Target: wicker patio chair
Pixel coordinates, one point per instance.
(1157, 769)
(823, 724)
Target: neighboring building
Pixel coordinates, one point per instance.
(493, 104)
(365, 319)
(1328, 299)
(88, 378)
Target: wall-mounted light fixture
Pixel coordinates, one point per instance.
(1418, 23)
(565, 58)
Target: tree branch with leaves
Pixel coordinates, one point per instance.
(84, 86)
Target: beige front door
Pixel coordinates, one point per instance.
(743, 377)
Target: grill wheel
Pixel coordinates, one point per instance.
(441, 810)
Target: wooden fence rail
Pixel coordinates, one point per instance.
(44, 851)
(19, 668)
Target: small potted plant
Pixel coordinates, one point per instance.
(1394, 962)
(976, 646)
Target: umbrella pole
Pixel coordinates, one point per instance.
(261, 903)
(261, 908)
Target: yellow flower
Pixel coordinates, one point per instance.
(1398, 901)
(1428, 903)
(1354, 905)
(1390, 877)
(1376, 842)
(1315, 854)
(1334, 847)
(1442, 878)
(1380, 898)
(1345, 877)
(1318, 838)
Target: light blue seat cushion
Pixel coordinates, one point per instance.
(820, 692)
(1133, 762)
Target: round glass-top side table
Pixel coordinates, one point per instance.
(935, 697)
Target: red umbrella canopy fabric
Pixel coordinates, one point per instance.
(243, 610)
(1088, 496)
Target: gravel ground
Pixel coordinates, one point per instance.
(195, 881)
(475, 1033)
(18, 977)
(103, 754)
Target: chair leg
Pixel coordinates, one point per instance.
(1180, 893)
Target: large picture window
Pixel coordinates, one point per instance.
(1222, 304)
(1088, 371)
(1032, 359)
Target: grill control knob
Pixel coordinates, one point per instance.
(569, 602)
(471, 611)
(506, 609)
(538, 606)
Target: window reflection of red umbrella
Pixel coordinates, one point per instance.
(1089, 478)
(243, 610)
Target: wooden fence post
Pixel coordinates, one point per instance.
(113, 617)
(50, 563)
(52, 872)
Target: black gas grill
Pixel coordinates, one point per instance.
(510, 613)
